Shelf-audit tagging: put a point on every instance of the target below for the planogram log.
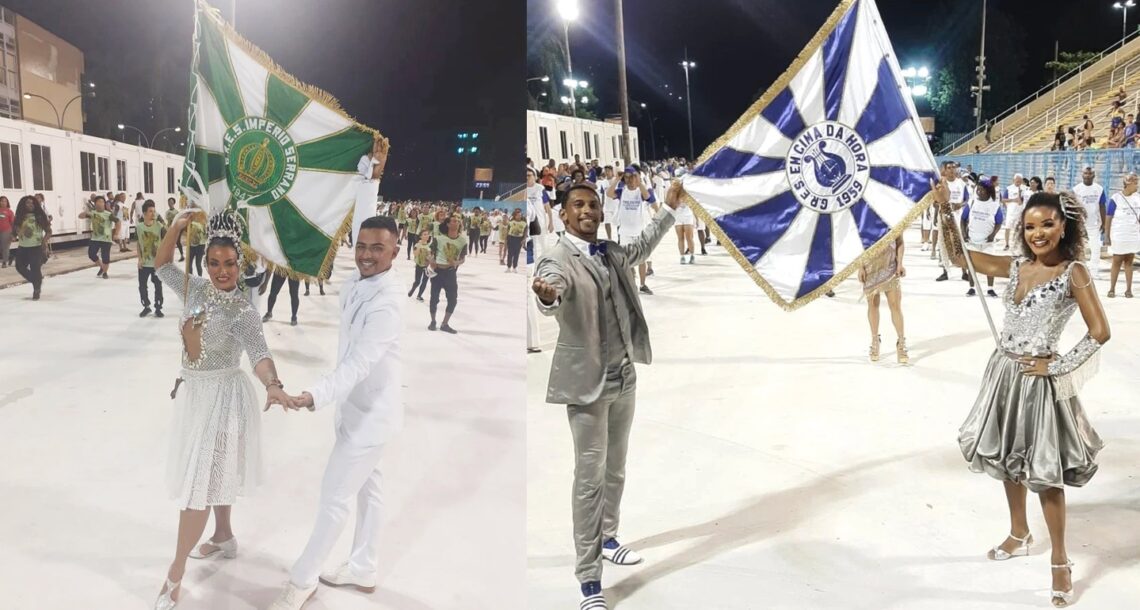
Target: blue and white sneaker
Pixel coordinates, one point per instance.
(618, 554)
(592, 598)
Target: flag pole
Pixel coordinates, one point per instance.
(974, 276)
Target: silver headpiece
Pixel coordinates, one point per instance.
(229, 225)
(1072, 206)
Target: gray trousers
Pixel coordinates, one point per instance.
(601, 440)
(5, 246)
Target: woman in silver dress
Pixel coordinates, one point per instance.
(1027, 427)
(215, 451)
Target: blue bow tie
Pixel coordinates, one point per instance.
(597, 248)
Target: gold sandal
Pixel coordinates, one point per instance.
(900, 351)
(875, 349)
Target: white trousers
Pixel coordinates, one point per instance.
(352, 472)
(1094, 254)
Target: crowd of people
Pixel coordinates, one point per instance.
(1123, 129)
(1046, 242)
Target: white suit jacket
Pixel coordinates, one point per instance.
(365, 385)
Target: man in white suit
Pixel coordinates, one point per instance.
(365, 387)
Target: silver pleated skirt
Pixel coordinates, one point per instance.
(1019, 431)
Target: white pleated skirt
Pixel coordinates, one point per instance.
(215, 440)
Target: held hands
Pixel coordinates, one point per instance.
(545, 292)
(277, 396)
(1035, 366)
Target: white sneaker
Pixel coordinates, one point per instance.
(596, 601)
(345, 577)
(292, 598)
(228, 549)
(622, 555)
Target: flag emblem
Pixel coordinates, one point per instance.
(280, 152)
(827, 167)
(825, 170)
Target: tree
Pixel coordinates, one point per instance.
(1069, 61)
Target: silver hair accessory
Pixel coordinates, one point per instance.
(1071, 206)
(228, 224)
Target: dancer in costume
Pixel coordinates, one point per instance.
(104, 225)
(215, 449)
(484, 233)
(1123, 231)
(365, 388)
(423, 257)
(33, 230)
(880, 276)
(585, 284)
(449, 251)
(150, 233)
(1027, 428)
(279, 280)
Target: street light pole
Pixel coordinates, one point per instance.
(689, 101)
(123, 127)
(58, 121)
(1124, 6)
(164, 130)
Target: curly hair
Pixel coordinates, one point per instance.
(37, 211)
(1074, 241)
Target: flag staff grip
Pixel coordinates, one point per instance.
(949, 219)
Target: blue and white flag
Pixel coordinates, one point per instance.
(825, 170)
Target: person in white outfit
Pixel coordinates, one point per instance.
(1093, 198)
(365, 387)
(1016, 195)
(369, 169)
(1123, 230)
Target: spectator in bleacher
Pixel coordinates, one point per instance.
(1071, 138)
(1059, 139)
(1130, 129)
(1117, 111)
(1116, 134)
(1121, 95)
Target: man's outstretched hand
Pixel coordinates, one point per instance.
(546, 293)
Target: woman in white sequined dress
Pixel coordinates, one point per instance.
(1027, 427)
(215, 451)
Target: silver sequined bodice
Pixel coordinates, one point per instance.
(231, 324)
(1034, 326)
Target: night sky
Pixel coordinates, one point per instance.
(742, 46)
(419, 71)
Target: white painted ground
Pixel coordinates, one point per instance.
(772, 466)
(84, 408)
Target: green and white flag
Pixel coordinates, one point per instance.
(282, 153)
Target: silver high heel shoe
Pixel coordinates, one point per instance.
(997, 554)
(165, 601)
(228, 549)
(1061, 599)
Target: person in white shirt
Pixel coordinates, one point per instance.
(365, 386)
(1123, 230)
(959, 198)
(368, 169)
(1092, 197)
(632, 196)
(609, 204)
(981, 221)
(537, 205)
(1016, 195)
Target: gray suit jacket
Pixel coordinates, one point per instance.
(577, 374)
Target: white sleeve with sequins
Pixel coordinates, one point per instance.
(175, 279)
(247, 329)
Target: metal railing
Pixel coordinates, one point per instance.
(1065, 166)
(1044, 121)
(1077, 73)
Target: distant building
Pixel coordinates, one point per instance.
(41, 75)
(559, 137)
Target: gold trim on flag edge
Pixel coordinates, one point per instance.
(749, 115)
(836, 280)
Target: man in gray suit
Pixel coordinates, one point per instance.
(587, 285)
